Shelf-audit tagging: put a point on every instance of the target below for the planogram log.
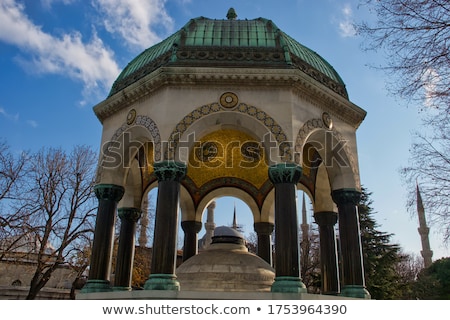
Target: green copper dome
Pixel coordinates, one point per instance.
(256, 43)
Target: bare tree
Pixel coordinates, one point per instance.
(429, 167)
(79, 262)
(13, 168)
(59, 204)
(310, 259)
(415, 36)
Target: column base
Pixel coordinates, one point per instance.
(162, 282)
(355, 291)
(288, 285)
(96, 286)
(121, 289)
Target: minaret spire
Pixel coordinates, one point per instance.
(304, 225)
(424, 231)
(235, 225)
(305, 243)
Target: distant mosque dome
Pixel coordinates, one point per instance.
(226, 266)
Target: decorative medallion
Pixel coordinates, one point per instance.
(327, 121)
(229, 100)
(131, 116)
(207, 151)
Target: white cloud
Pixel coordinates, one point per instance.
(430, 81)
(49, 3)
(92, 63)
(346, 27)
(137, 22)
(9, 116)
(32, 123)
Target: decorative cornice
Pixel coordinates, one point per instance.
(209, 76)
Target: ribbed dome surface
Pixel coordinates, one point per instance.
(256, 43)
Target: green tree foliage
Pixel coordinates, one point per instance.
(433, 283)
(380, 255)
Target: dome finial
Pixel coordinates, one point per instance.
(231, 14)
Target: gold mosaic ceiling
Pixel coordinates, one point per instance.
(227, 153)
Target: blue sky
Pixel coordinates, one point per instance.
(58, 58)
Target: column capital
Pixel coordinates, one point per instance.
(285, 173)
(326, 218)
(263, 228)
(194, 226)
(346, 196)
(170, 170)
(109, 192)
(129, 213)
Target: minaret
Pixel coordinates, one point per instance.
(235, 225)
(304, 226)
(209, 225)
(423, 231)
(305, 243)
(143, 239)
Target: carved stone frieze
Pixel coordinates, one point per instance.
(187, 76)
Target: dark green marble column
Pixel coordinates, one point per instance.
(353, 283)
(108, 196)
(285, 176)
(162, 277)
(190, 245)
(125, 250)
(328, 252)
(264, 247)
